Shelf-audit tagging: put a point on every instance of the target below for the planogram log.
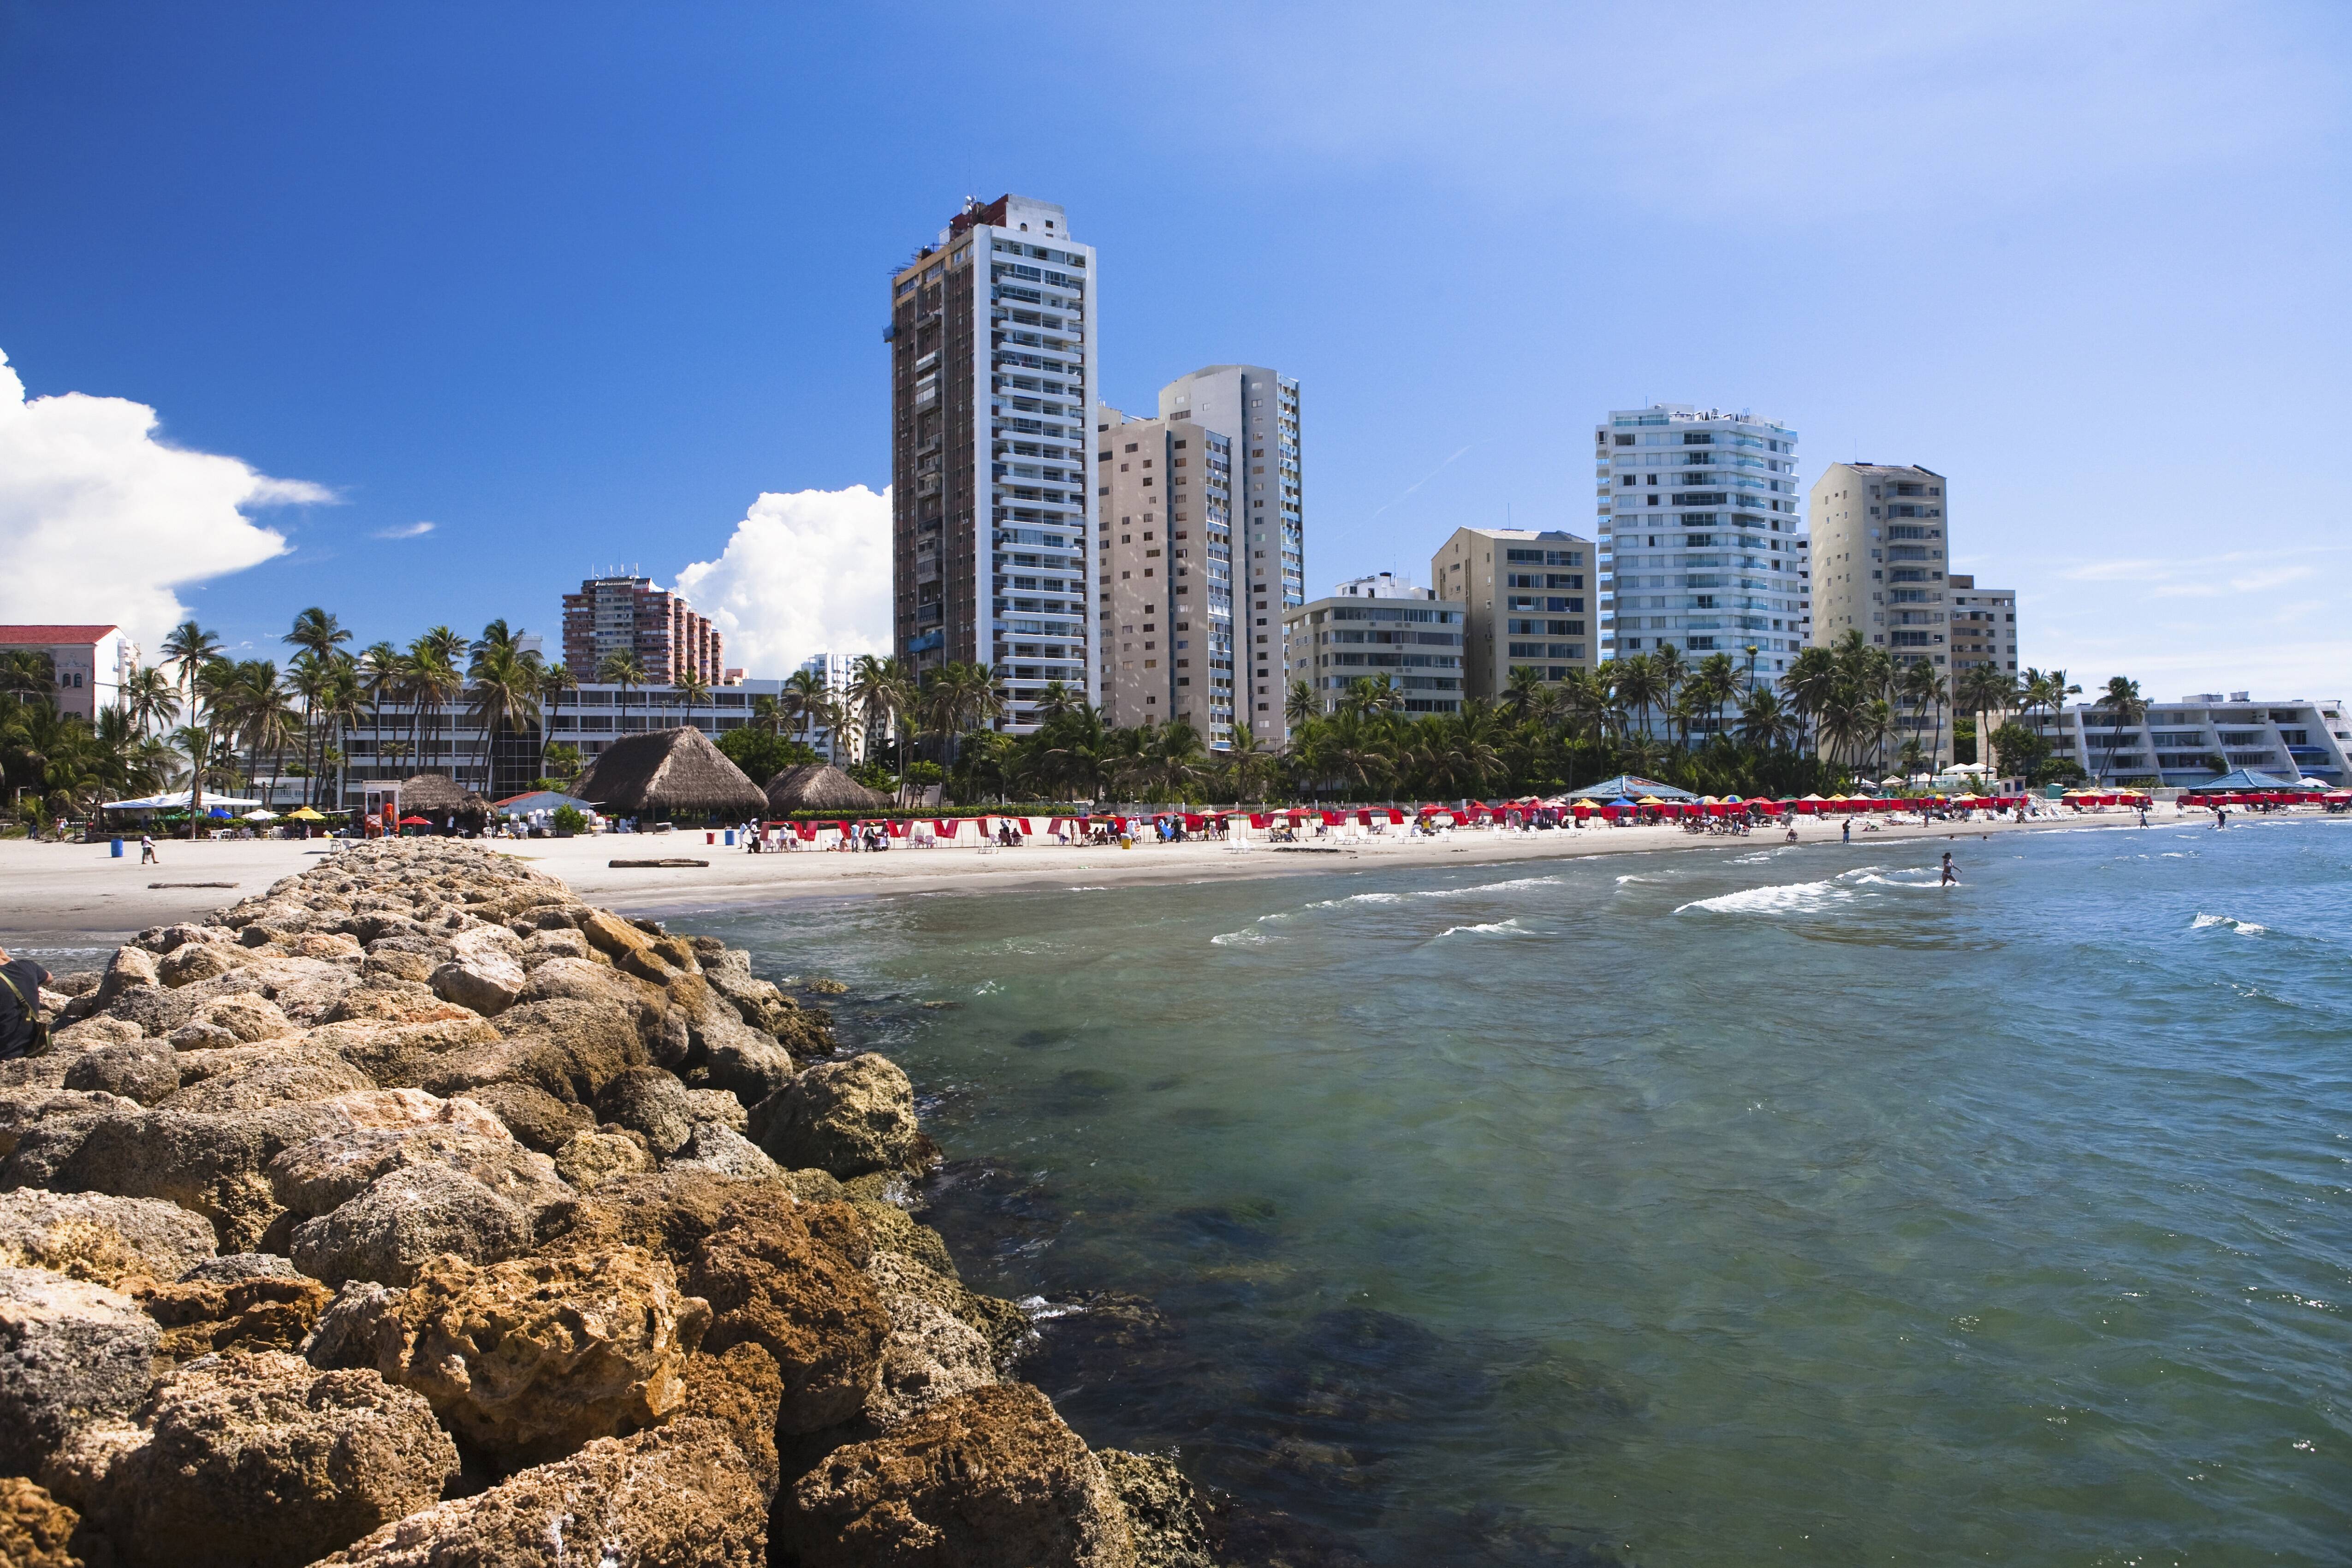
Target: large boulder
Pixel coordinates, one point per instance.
(794, 1284)
(741, 1390)
(384, 1000)
(389, 1232)
(743, 1062)
(484, 970)
(930, 1356)
(322, 1174)
(70, 1352)
(256, 1460)
(140, 1068)
(215, 1165)
(240, 1019)
(535, 1118)
(650, 1102)
(273, 1310)
(103, 1240)
(277, 1074)
(849, 1118)
(724, 1151)
(531, 1358)
(1164, 1510)
(591, 1159)
(128, 969)
(990, 1479)
(680, 1496)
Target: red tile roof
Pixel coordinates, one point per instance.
(18, 636)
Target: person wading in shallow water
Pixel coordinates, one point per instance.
(1951, 876)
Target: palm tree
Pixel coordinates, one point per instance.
(505, 696)
(804, 691)
(1298, 706)
(1766, 722)
(2125, 708)
(692, 690)
(1809, 684)
(1667, 665)
(1522, 691)
(339, 711)
(191, 648)
(1247, 767)
(1058, 699)
(1639, 687)
(150, 699)
(1984, 690)
(623, 670)
(877, 691)
(554, 681)
(309, 677)
(434, 682)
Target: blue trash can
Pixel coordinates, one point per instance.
(118, 848)
(730, 838)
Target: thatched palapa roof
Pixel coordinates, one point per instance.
(820, 786)
(670, 773)
(435, 797)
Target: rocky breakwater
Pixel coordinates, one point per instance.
(415, 1212)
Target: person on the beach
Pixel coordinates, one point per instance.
(20, 1003)
(1951, 876)
(1847, 835)
(147, 851)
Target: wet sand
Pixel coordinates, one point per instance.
(61, 896)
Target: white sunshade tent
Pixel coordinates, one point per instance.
(260, 813)
(178, 802)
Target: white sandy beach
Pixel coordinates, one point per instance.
(65, 895)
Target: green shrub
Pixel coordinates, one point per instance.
(569, 819)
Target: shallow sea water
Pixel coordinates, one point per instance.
(1670, 1209)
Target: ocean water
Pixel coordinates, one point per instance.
(1703, 1208)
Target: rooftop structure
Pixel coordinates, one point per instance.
(88, 663)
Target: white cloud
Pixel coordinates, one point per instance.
(805, 573)
(99, 521)
(409, 530)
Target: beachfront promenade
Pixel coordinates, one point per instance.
(60, 894)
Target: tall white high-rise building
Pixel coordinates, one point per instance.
(1258, 410)
(1699, 531)
(993, 352)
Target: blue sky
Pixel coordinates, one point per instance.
(577, 284)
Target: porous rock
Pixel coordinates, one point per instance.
(103, 1240)
(740, 1389)
(531, 1358)
(136, 1068)
(94, 1033)
(406, 1219)
(849, 1118)
(723, 1150)
(928, 1356)
(1164, 1510)
(321, 1175)
(650, 1102)
(237, 1266)
(130, 968)
(279, 1075)
(591, 1159)
(70, 1352)
(533, 1117)
(989, 1478)
(794, 1284)
(215, 1165)
(259, 1311)
(484, 970)
(680, 1496)
(36, 1530)
(256, 1460)
(746, 1064)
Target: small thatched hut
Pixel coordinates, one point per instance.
(669, 775)
(820, 786)
(440, 802)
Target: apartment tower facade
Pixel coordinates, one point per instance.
(1882, 559)
(1258, 410)
(1166, 544)
(1983, 626)
(992, 355)
(629, 615)
(1527, 596)
(1381, 629)
(1699, 520)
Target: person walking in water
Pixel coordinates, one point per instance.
(147, 851)
(1951, 876)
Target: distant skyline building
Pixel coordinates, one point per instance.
(88, 663)
(1527, 596)
(834, 670)
(1384, 628)
(1165, 488)
(1259, 410)
(2203, 736)
(992, 381)
(1983, 626)
(1698, 523)
(629, 615)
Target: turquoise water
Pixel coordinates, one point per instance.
(1672, 1209)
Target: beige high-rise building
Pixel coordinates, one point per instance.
(1983, 626)
(1164, 490)
(1377, 628)
(1882, 559)
(1258, 411)
(1527, 596)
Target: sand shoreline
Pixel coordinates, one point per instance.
(74, 895)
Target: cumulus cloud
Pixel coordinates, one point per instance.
(407, 531)
(805, 573)
(99, 521)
